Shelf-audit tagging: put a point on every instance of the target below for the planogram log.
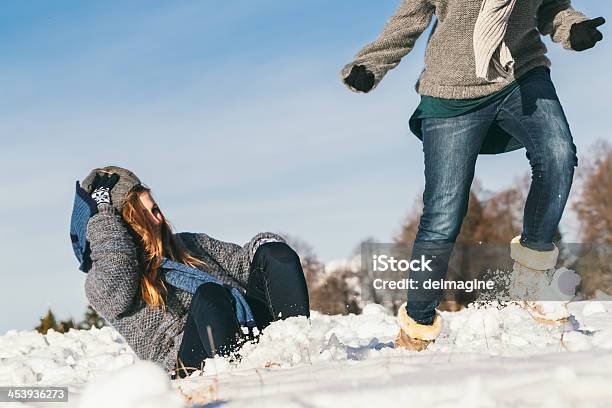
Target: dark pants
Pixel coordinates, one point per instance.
(276, 290)
(533, 115)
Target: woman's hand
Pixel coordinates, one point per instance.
(360, 78)
(102, 186)
(585, 35)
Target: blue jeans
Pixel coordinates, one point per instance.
(533, 115)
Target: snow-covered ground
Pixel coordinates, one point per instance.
(485, 357)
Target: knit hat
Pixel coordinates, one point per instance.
(127, 181)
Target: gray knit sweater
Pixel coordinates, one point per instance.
(112, 284)
(450, 71)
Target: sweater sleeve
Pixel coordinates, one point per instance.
(556, 17)
(114, 279)
(395, 41)
(233, 258)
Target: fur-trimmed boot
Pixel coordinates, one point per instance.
(535, 282)
(414, 336)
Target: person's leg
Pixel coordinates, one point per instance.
(276, 288)
(534, 116)
(212, 327)
(451, 147)
(191, 353)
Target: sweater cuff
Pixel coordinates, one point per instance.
(106, 214)
(568, 17)
(260, 243)
(259, 240)
(105, 208)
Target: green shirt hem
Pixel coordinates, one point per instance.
(497, 140)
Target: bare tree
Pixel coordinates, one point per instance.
(314, 269)
(329, 293)
(593, 206)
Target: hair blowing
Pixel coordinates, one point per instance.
(156, 242)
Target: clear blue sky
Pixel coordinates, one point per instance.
(232, 112)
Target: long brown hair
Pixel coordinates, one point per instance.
(156, 242)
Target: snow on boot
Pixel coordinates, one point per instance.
(534, 280)
(414, 336)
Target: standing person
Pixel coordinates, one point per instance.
(485, 89)
(177, 299)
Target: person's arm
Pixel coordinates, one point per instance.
(114, 279)
(395, 41)
(567, 26)
(233, 258)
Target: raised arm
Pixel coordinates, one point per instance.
(556, 18)
(113, 282)
(385, 53)
(233, 258)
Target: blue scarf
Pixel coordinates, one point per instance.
(176, 274)
(189, 279)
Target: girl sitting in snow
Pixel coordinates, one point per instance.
(177, 299)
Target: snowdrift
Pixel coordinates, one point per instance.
(486, 357)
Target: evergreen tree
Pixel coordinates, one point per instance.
(91, 319)
(48, 322)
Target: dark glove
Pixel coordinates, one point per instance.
(101, 187)
(360, 78)
(585, 35)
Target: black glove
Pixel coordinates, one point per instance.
(585, 35)
(101, 187)
(360, 78)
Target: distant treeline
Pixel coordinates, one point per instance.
(49, 321)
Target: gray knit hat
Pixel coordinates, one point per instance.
(127, 181)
